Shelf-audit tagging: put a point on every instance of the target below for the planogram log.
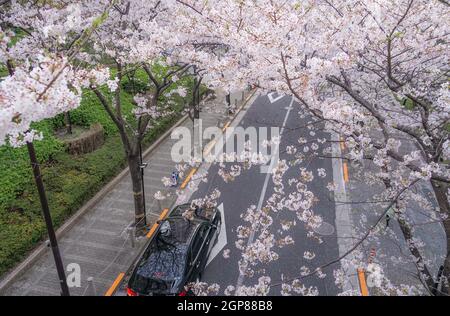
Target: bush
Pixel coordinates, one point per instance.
(15, 170)
(69, 182)
(91, 112)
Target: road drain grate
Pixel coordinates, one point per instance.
(325, 229)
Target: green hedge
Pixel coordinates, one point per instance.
(69, 182)
(15, 170)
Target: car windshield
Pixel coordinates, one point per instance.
(163, 263)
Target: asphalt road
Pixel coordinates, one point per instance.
(248, 189)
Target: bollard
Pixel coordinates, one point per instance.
(91, 287)
(131, 236)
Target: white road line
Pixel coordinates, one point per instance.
(264, 189)
(222, 239)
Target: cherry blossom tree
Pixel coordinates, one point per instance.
(375, 72)
(42, 81)
(156, 37)
(138, 36)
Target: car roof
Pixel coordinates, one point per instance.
(202, 214)
(165, 257)
(163, 262)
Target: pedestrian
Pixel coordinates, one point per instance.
(175, 177)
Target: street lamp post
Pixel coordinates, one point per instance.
(197, 124)
(48, 220)
(142, 166)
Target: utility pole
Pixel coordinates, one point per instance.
(142, 166)
(48, 220)
(196, 95)
(198, 152)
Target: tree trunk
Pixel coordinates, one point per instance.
(425, 274)
(136, 180)
(68, 122)
(48, 220)
(439, 189)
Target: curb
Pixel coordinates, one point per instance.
(40, 250)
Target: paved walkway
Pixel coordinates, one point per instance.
(99, 243)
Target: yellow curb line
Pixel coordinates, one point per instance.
(114, 286)
(226, 126)
(155, 226)
(362, 282)
(209, 147)
(213, 142)
(345, 167)
(188, 178)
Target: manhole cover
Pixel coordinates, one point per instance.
(325, 229)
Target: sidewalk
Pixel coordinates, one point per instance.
(100, 242)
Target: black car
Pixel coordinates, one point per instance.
(177, 253)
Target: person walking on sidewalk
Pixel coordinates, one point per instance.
(175, 178)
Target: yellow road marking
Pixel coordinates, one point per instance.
(209, 147)
(226, 126)
(188, 178)
(155, 226)
(362, 282)
(345, 167)
(114, 286)
(164, 213)
(342, 143)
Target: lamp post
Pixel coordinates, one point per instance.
(48, 220)
(197, 123)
